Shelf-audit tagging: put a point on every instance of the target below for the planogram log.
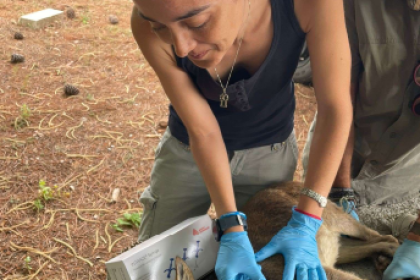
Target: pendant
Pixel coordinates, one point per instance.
(224, 99)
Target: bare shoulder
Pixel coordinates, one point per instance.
(310, 12)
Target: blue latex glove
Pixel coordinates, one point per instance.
(348, 207)
(297, 243)
(406, 262)
(236, 260)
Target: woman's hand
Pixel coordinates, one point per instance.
(236, 260)
(406, 262)
(297, 243)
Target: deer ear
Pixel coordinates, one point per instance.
(183, 272)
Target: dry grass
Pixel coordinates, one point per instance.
(87, 145)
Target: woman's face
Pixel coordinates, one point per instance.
(203, 30)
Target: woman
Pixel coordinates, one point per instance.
(227, 67)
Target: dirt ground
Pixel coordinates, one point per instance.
(83, 146)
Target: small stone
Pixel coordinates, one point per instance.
(131, 200)
(70, 90)
(95, 217)
(113, 19)
(72, 187)
(17, 58)
(18, 36)
(131, 135)
(115, 195)
(71, 14)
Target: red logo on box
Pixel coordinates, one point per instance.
(201, 230)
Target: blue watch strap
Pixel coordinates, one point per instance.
(233, 214)
(233, 219)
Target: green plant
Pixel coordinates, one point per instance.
(38, 204)
(45, 193)
(85, 19)
(26, 263)
(22, 120)
(25, 112)
(127, 220)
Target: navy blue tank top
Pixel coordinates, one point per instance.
(261, 107)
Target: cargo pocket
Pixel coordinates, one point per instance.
(148, 200)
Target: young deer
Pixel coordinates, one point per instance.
(270, 210)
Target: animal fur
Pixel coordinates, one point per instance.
(270, 210)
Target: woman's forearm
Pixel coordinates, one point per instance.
(210, 154)
(329, 141)
(343, 178)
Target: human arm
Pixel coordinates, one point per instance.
(341, 192)
(193, 109)
(343, 178)
(328, 44)
(323, 20)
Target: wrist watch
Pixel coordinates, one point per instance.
(322, 200)
(227, 221)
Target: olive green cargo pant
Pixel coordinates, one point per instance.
(177, 190)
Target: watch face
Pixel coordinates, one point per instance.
(323, 202)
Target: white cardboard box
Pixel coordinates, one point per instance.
(154, 259)
(40, 19)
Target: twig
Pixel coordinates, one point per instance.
(68, 232)
(72, 130)
(107, 234)
(81, 156)
(83, 219)
(112, 245)
(15, 226)
(95, 167)
(69, 181)
(35, 251)
(73, 251)
(96, 240)
(19, 207)
(38, 271)
(51, 220)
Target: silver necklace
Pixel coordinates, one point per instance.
(224, 97)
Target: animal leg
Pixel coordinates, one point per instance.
(355, 250)
(336, 274)
(339, 221)
(183, 272)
